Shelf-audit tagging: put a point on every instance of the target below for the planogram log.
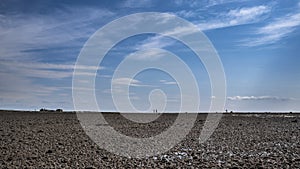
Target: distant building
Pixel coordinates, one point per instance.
(47, 110)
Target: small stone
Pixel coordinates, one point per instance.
(104, 158)
(9, 159)
(49, 151)
(90, 167)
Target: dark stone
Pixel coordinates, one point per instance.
(104, 158)
(49, 151)
(89, 167)
(234, 167)
(9, 159)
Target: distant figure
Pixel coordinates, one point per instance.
(156, 111)
(226, 111)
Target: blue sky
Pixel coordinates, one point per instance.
(257, 41)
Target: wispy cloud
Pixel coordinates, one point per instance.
(147, 55)
(120, 87)
(148, 44)
(128, 82)
(21, 33)
(39, 65)
(221, 2)
(203, 3)
(187, 13)
(20, 91)
(274, 98)
(24, 36)
(154, 42)
(45, 70)
(137, 3)
(236, 17)
(275, 30)
(168, 82)
(190, 3)
(272, 32)
(26, 44)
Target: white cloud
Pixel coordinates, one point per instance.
(168, 82)
(154, 42)
(204, 4)
(221, 2)
(137, 3)
(40, 65)
(46, 70)
(191, 3)
(25, 39)
(248, 13)
(19, 92)
(125, 81)
(128, 82)
(147, 55)
(236, 17)
(232, 18)
(148, 44)
(275, 98)
(20, 33)
(275, 30)
(187, 13)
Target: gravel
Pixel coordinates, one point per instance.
(56, 140)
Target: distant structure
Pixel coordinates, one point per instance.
(226, 111)
(43, 109)
(47, 110)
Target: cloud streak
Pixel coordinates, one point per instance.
(45, 70)
(21, 33)
(168, 82)
(137, 3)
(276, 30)
(236, 17)
(128, 82)
(270, 98)
(35, 64)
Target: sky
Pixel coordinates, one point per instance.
(257, 42)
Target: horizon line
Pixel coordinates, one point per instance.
(200, 112)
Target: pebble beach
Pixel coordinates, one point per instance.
(57, 140)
